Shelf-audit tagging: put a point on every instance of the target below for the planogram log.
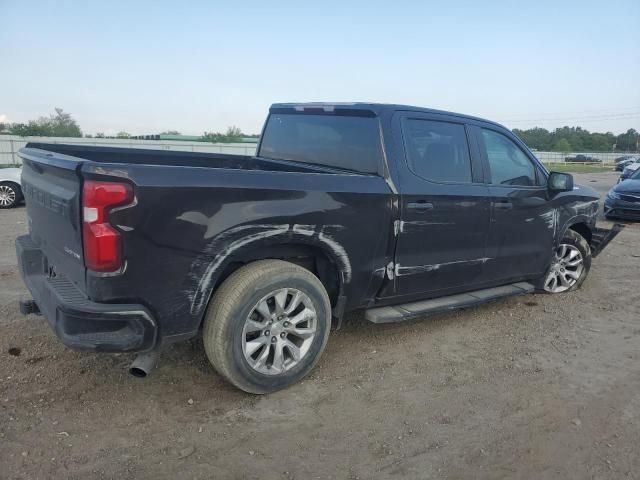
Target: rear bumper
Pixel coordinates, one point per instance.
(79, 322)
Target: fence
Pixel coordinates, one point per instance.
(559, 157)
(10, 144)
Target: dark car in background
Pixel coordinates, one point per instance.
(623, 200)
(628, 171)
(623, 158)
(620, 166)
(581, 158)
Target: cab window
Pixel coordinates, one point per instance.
(508, 164)
(437, 151)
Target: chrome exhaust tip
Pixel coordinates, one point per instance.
(144, 363)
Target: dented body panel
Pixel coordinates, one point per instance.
(203, 228)
(383, 238)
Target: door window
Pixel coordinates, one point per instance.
(437, 151)
(508, 164)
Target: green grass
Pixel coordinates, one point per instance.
(8, 165)
(577, 168)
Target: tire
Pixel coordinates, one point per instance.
(237, 320)
(10, 194)
(562, 265)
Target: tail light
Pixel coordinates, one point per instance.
(102, 243)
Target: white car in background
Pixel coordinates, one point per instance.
(10, 191)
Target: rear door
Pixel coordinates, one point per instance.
(523, 224)
(444, 207)
(51, 186)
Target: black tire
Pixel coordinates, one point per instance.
(234, 301)
(15, 188)
(573, 238)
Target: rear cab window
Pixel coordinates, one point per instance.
(335, 141)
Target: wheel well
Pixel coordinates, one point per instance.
(312, 258)
(13, 184)
(582, 229)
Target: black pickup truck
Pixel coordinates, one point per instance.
(398, 211)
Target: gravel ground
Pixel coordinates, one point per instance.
(531, 387)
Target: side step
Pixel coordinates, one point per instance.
(407, 311)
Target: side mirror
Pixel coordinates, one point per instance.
(560, 182)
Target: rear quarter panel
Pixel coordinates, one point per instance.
(189, 223)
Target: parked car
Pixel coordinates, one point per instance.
(621, 165)
(623, 200)
(10, 191)
(622, 158)
(581, 158)
(628, 171)
(398, 211)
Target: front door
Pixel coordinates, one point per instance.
(444, 209)
(523, 224)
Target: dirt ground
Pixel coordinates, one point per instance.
(531, 387)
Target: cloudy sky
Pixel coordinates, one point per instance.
(147, 66)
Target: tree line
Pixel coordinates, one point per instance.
(59, 124)
(577, 139)
(62, 124)
(565, 139)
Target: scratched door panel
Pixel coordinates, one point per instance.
(523, 223)
(444, 209)
(521, 236)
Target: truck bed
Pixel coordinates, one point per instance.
(140, 156)
(195, 214)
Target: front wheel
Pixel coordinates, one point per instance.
(569, 266)
(267, 325)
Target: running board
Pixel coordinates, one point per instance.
(408, 311)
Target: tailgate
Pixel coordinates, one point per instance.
(52, 187)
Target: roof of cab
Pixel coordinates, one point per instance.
(375, 108)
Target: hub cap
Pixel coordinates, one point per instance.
(565, 270)
(279, 331)
(7, 196)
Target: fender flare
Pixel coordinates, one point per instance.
(230, 245)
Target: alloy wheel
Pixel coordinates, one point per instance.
(7, 196)
(279, 331)
(565, 270)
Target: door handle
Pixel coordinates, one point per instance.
(420, 205)
(505, 205)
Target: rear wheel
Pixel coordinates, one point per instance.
(569, 266)
(10, 194)
(267, 325)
